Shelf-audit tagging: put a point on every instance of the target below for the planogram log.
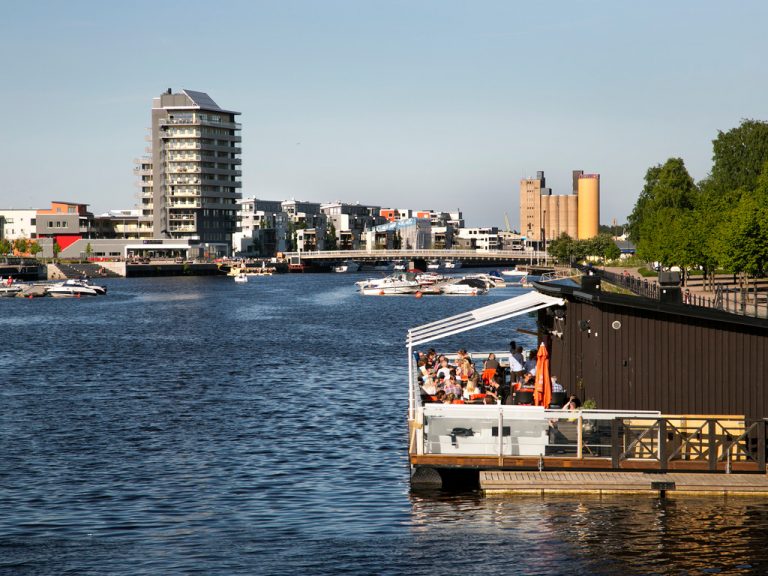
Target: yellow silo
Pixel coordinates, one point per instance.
(589, 205)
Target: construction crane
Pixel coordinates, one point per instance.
(506, 222)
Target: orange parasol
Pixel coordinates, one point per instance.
(543, 392)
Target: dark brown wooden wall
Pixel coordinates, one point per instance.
(658, 361)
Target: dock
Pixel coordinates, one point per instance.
(655, 484)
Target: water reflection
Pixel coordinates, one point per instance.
(605, 535)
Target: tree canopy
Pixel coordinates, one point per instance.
(718, 223)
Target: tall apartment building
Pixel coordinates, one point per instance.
(190, 181)
(545, 216)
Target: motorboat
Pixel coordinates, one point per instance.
(8, 291)
(490, 280)
(71, 290)
(452, 264)
(85, 283)
(347, 266)
(464, 287)
(433, 265)
(514, 272)
(403, 283)
(400, 265)
(241, 278)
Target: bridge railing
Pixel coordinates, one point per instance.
(519, 255)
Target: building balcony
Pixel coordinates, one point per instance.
(199, 122)
(219, 160)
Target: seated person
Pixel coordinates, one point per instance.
(490, 367)
(556, 386)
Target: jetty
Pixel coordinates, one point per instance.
(494, 482)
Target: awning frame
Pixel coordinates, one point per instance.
(420, 335)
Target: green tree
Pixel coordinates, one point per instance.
(562, 249)
(56, 249)
(35, 248)
(654, 225)
(738, 157)
(742, 237)
(88, 250)
(20, 245)
(5, 246)
(330, 237)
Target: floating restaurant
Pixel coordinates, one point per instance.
(679, 389)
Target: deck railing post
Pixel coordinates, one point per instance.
(580, 437)
(761, 445)
(662, 451)
(712, 442)
(615, 446)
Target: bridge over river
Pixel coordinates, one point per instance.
(469, 258)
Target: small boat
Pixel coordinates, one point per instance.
(400, 265)
(490, 280)
(10, 291)
(383, 266)
(85, 283)
(464, 287)
(241, 278)
(403, 283)
(433, 265)
(514, 272)
(452, 264)
(63, 290)
(347, 266)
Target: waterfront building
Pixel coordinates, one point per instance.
(545, 216)
(481, 239)
(351, 221)
(118, 224)
(408, 234)
(190, 180)
(18, 223)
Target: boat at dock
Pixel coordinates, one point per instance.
(514, 272)
(346, 266)
(394, 285)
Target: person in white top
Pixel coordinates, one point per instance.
(517, 364)
(530, 364)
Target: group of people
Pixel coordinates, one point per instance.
(461, 381)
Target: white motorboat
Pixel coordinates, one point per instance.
(72, 290)
(347, 266)
(452, 264)
(7, 291)
(85, 283)
(400, 265)
(404, 283)
(241, 278)
(433, 265)
(490, 280)
(464, 287)
(514, 272)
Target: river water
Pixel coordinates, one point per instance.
(199, 426)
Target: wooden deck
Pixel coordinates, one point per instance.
(534, 482)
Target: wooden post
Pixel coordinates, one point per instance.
(662, 452)
(761, 445)
(615, 447)
(712, 445)
(580, 437)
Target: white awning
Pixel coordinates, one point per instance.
(481, 317)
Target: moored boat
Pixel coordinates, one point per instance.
(347, 266)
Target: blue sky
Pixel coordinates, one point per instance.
(438, 104)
